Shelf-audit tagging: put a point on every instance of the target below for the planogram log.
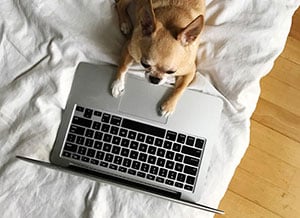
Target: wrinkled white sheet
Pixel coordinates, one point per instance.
(41, 43)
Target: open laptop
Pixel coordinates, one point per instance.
(124, 141)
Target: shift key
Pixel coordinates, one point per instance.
(191, 151)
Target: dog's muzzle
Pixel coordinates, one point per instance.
(154, 80)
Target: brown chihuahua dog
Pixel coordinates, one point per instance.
(164, 40)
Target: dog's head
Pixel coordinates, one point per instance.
(167, 45)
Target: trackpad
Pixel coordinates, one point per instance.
(142, 99)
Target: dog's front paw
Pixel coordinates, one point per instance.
(118, 87)
(167, 108)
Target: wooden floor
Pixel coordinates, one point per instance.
(267, 182)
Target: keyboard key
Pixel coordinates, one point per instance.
(88, 113)
(169, 182)
(132, 172)
(108, 157)
(79, 140)
(145, 128)
(161, 162)
(190, 140)
(141, 174)
(145, 167)
(199, 143)
(151, 177)
(178, 167)
(103, 164)
(172, 175)
(82, 122)
(70, 147)
(150, 140)
(170, 155)
(161, 152)
(171, 135)
(167, 144)
(122, 169)
(191, 161)
(134, 145)
(159, 179)
(107, 138)
(106, 147)
(105, 118)
(91, 153)
(141, 137)
(188, 187)
(123, 132)
(190, 170)
(98, 135)
(89, 142)
(89, 133)
(143, 157)
(170, 164)
(136, 165)
(118, 160)
(85, 159)
(115, 120)
(143, 147)
(181, 138)
(152, 150)
(77, 130)
(71, 137)
(125, 142)
(126, 162)
(98, 145)
(96, 125)
(151, 159)
(82, 150)
(124, 152)
(153, 170)
(100, 155)
(179, 157)
(114, 130)
(132, 135)
(181, 177)
(97, 113)
(178, 184)
(95, 162)
(79, 108)
(113, 166)
(76, 156)
(105, 128)
(116, 140)
(190, 180)
(158, 142)
(66, 154)
(163, 172)
(116, 150)
(133, 154)
(176, 147)
(191, 151)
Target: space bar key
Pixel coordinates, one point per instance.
(145, 128)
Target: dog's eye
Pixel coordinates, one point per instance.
(170, 72)
(145, 65)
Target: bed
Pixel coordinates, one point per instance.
(41, 44)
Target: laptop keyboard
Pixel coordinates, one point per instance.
(130, 147)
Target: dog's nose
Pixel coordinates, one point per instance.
(154, 80)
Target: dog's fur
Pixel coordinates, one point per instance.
(164, 40)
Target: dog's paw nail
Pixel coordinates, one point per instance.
(165, 112)
(118, 87)
(125, 28)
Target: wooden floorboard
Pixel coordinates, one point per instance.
(267, 182)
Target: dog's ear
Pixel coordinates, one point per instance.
(191, 31)
(147, 19)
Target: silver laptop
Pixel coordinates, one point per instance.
(124, 141)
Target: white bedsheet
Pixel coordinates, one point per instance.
(41, 43)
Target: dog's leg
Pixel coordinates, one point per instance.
(124, 19)
(118, 86)
(168, 107)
